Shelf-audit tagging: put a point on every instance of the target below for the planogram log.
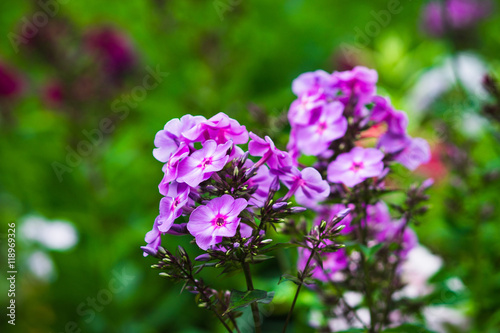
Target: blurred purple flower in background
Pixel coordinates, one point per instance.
(113, 50)
(355, 166)
(455, 15)
(11, 83)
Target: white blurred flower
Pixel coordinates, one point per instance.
(40, 264)
(466, 66)
(418, 268)
(438, 317)
(54, 235)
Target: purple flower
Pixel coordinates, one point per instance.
(360, 82)
(201, 164)
(262, 181)
(327, 213)
(417, 152)
(311, 82)
(333, 262)
(274, 157)
(171, 205)
(458, 14)
(301, 109)
(355, 166)
(219, 218)
(170, 138)
(113, 49)
(219, 128)
(330, 125)
(153, 240)
(11, 84)
(171, 167)
(307, 186)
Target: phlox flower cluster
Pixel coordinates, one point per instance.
(329, 115)
(197, 186)
(331, 119)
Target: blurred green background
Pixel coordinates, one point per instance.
(238, 57)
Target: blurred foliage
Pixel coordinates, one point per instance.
(241, 62)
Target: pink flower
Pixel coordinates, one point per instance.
(171, 167)
(307, 186)
(201, 164)
(417, 152)
(153, 240)
(333, 262)
(262, 181)
(330, 125)
(360, 82)
(355, 166)
(302, 107)
(311, 81)
(219, 218)
(169, 139)
(327, 213)
(219, 128)
(274, 157)
(171, 205)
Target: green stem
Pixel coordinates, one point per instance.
(254, 306)
(313, 252)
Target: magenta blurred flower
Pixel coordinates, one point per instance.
(328, 213)
(219, 218)
(201, 164)
(355, 166)
(330, 125)
(417, 152)
(113, 48)
(153, 240)
(456, 15)
(11, 83)
(333, 262)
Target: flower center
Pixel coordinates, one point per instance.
(220, 222)
(356, 166)
(321, 127)
(206, 162)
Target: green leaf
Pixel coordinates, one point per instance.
(408, 328)
(240, 299)
(288, 277)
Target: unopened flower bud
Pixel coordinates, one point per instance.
(296, 210)
(266, 241)
(279, 205)
(203, 257)
(165, 274)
